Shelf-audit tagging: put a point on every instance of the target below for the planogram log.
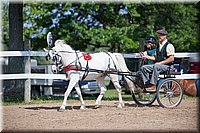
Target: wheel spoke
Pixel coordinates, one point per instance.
(173, 93)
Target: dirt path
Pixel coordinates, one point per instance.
(45, 117)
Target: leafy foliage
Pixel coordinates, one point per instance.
(5, 25)
(115, 27)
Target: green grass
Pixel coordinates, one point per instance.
(111, 94)
(19, 101)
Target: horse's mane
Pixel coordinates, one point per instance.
(61, 45)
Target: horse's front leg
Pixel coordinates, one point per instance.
(74, 78)
(78, 90)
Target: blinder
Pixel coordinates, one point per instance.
(47, 57)
(56, 59)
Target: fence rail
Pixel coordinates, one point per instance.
(22, 53)
(32, 76)
(130, 55)
(63, 76)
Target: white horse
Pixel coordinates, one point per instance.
(90, 66)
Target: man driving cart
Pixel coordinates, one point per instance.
(163, 58)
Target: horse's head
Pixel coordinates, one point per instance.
(54, 52)
(55, 58)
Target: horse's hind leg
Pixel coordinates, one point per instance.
(115, 81)
(100, 82)
(78, 90)
(73, 81)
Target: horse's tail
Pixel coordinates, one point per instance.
(122, 67)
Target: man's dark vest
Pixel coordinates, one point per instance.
(162, 54)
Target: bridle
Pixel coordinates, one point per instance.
(56, 58)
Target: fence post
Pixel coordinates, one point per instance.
(27, 88)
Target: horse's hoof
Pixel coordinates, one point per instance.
(61, 110)
(97, 106)
(82, 107)
(119, 106)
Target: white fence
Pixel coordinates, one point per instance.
(29, 76)
(131, 55)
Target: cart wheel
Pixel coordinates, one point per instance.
(139, 95)
(143, 98)
(169, 93)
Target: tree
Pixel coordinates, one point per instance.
(5, 25)
(111, 26)
(16, 64)
(181, 23)
(88, 26)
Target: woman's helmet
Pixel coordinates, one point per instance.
(150, 39)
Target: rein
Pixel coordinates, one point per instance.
(77, 67)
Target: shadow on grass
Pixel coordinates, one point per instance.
(14, 100)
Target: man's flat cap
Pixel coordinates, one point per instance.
(162, 32)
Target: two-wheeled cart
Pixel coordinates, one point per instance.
(169, 92)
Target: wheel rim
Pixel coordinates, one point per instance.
(144, 98)
(169, 93)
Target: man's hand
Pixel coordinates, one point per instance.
(142, 55)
